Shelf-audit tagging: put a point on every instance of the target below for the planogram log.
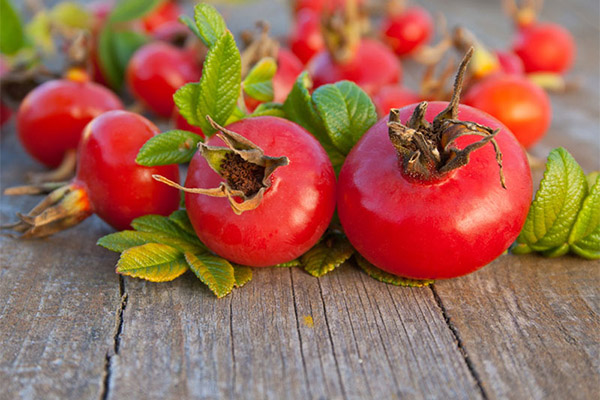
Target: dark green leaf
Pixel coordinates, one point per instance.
(347, 112)
(12, 37)
(584, 238)
(383, 276)
(153, 262)
(186, 99)
(328, 254)
(259, 82)
(121, 241)
(299, 108)
(115, 48)
(128, 10)
(220, 83)
(172, 147)
(556, 204)
(272, 109)
(210, 24)
(215, 272)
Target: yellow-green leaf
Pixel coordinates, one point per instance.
(153, 262)
(215, 272)
(385, 277)
(327, 255)
(242, 275)
(259, 82)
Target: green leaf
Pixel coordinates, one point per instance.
(215, 272)
(259, 82)
(299, 108)
(328, 254)
(556, 204)
(220, 83)
(584, 239)
(385, 277)
(12, 37)
(72, 15)
(172, 147)
(271, 109)
(182, 220)
(347, 112)
(121, 241)
(153, 262)
(242, 275)
(129, 10)
(186, 99)
(39, 31)
(289, 264)
(160, 224)
(115, 48)
(210, 24)
(187, 21)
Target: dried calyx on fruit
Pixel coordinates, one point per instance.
(342, 29)
(428, 150)
(244, 166)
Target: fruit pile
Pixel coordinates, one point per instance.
(305, 152)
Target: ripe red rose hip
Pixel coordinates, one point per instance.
(545, 47)
(52, 116)
(156, 71)
(420, 195)
(306, 38)
(407, 30)
(108, 181)
(270, 208)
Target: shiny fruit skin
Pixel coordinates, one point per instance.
(294, 212)
(394, 96)
(545, 47)
(120, 190)
(373, 67)
(306, 38)
(440, 229)
(51, 118)
(407, 31)
(515, 101)
(156, 71)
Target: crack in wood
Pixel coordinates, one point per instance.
(105, 389)
(459, 344)
(299, 334)
(233, 366)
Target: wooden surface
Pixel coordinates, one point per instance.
(521, 328)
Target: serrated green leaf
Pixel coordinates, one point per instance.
(243, 275)
(385, 277)
(220, 83)
(328, 254)
(186, 99)
(121, 241)
(299, 108)
(160, 224)
(584, 239)
(153, 262)
(271, 109)
(12, 37)
(347, 112)
(129, 10)
(39, 31)
(289, 264)
(187, 21)
(72, 15)
(259, 82)
(172, 147)
(556, 204)
(115, 48)
(215, 272)
(182, 220)
(210, 24)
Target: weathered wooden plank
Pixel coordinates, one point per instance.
(58, 299)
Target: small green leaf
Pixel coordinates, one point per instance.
(121, 241)
(271, 109)
(153, 262)
(12, 37)
(115, 48)
(172, 147)
(39, 31)
(328, 254)
(556, 204)
(289, 264)
(187, 21)
(215, 272)
(186, 99)
(129, 10)
(160, 224)
(259, 82)
(584, 239)
(182, 220)
(220, 83)
(242, 275)
(347, 112)
(72, 15)
(210, 24)
(299, 108)
(385, 277)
